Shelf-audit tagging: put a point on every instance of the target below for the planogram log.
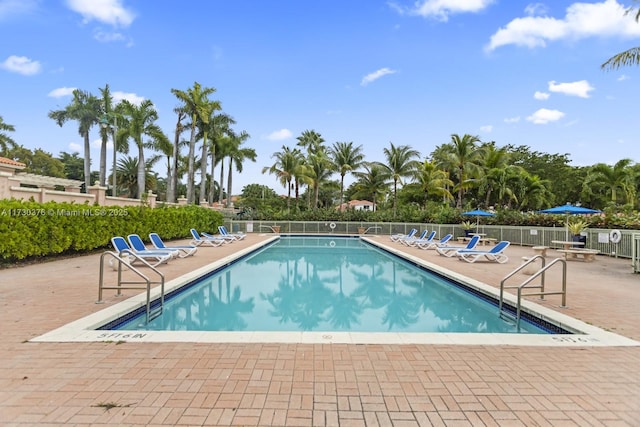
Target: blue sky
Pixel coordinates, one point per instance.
(368, 71)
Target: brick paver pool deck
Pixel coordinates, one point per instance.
(246, 384)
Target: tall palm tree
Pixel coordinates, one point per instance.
(534, 192)
(310, 140)
(195, 100)
(628, 57)
(205, 120)
(86, 109)
(346, 158)
(218, 126)
(284, 168)
(5, 140)
(400, 163)
(140, 121)
(464, 158)
(128, 168)
(238, 154)
(172, 178)
(107, 109)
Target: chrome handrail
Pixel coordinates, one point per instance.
(122, 261)
(542, 292)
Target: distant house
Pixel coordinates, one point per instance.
(358, 205)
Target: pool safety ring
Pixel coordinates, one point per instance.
(615, 236)
(332, 244)
(332, 226)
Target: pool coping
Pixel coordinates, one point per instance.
(84, 329)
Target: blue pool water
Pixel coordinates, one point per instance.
(327, 284)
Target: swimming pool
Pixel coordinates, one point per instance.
(326, 284)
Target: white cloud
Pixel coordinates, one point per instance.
(96, 143)
(441, 9)
(131, 97)
(580, 88)
(21, 65)
(61, 91)
(108, 36)
(544, 116)
(536, 9)
(623, 78)
(9, 8)
(74, 146)
(107, 11)
(541, 96)
(371, 77)
(486, 128)
(604, 19)
(512, 119)
(279, 135)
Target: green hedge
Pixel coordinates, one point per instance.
(30, 229)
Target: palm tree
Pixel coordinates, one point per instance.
(172, 178)
(433, 181)
(318, 170)
(619, 177)
(284, 168)
(400, 163)
(534, 192)
(87, 111)
(464, 158)
(238, 154)
(346, 158)
(195, 100)
(216, 128)
(5, 140)
(128, 169)
(107, 110)
(205, 120)
(139, 121)
(372, 183)
(310, 140)
(626, 58)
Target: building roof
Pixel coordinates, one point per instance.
(12, 163)
(45, 181)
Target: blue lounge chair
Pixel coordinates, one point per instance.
(138, 245)
(205, 240)
(154, 258)
(183, 251)
(495, 254)
(223, 231)
(422, 239)
(396, 237)
(437, 244)
(450, 251)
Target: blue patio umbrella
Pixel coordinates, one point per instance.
(567, 210)
(478, 213)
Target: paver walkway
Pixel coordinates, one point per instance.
(111, 383)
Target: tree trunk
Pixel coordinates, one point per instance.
(203, 170)
(103, 159)
(87, 162)
(141, 170)
(221, 195)
(191, 172)
(230, 173)
(213, 166)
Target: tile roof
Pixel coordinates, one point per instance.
(5, 161)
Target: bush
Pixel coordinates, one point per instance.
(31, 229)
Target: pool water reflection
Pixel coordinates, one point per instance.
(327, 284)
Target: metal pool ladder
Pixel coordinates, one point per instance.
(505, 313)
(153, 309)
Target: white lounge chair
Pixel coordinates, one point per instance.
(450, 251)
(199, 240)
(183, 251)
(223, 231)
(154, 258)
(396, 237)
(431, 244)
(495, 254)
(424, 238)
